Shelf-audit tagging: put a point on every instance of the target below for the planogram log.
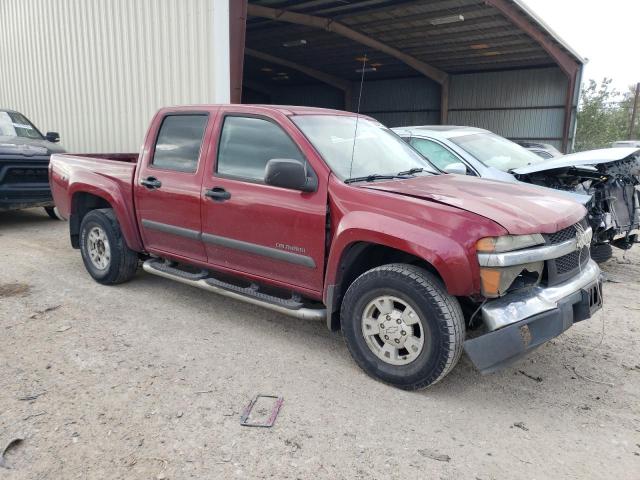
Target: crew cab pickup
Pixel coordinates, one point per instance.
(326, 215)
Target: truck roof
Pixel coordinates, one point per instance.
(284, 109)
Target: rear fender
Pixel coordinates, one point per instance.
(120, 201)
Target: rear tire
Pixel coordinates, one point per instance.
(52, 212)
(601, 252)
(402, 327)
(104, 253)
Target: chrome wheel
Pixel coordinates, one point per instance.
(393, 330)
(98, 248)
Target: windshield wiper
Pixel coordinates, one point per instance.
(372, 177)
(379, 176)
(411, 171)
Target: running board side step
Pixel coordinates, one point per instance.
(291, 307)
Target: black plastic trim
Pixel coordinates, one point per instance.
(226, 242)
(274, 253)
(164, 228)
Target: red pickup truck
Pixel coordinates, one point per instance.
(322, 214)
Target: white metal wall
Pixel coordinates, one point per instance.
(97, 70)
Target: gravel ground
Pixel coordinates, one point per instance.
(147, 380)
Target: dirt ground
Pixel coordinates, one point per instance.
(147, 380)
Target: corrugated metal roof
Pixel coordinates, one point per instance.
(485, 40)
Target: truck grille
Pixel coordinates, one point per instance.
(562, 235)
(562, 268)
(27, 175)
(572, 261)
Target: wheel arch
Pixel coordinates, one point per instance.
(359, 257)
(83, 201)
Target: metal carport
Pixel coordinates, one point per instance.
(488, 63)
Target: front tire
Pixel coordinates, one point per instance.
(402, 327)
(104, 253)
(601, 252)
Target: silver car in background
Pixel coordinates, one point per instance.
(606, 181)
(544, 150)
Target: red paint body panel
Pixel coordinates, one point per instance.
(180, 191)
(442, 235)
(519, 208)
(436, 218)
(107, 176)
(269, 216)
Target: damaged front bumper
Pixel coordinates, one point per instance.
(522, 321)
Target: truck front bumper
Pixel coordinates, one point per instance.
(522, 321)
(24, 182)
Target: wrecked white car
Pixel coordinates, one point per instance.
(606, 181)
(611, 176)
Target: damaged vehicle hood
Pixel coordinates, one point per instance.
(519, 208)
(580, 160)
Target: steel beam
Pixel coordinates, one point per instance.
(566, 62)
(340, 29)
(339, 83)
(237, 35)
(444, 103)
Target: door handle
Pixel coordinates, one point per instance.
(218, 194)
(151, 183)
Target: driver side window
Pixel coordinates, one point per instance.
(436, 153)
(248, 143)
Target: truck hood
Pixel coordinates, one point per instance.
(580, 159)
(27, 147)
(519, 208)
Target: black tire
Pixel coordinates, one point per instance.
(51, 211)
(123, 261)
(439, 313)
(601, 252)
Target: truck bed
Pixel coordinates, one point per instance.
(115, 157)
(107, 176)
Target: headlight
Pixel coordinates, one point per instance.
(508, 243)
(496, 281)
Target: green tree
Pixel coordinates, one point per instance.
(603, 115)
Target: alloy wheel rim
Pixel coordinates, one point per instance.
(393, 330)
(99, 248)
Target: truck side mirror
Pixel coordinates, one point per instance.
(457, 168)
(53, 137)
(289, 173)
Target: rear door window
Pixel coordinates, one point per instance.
(179, 142)
(248, 143)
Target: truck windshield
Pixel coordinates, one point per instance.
(14, 124)
(376, 150)
(496, 151)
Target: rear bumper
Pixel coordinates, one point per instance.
(520, 322)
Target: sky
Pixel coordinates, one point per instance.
(607, 32)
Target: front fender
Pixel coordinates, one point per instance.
(449, 248)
